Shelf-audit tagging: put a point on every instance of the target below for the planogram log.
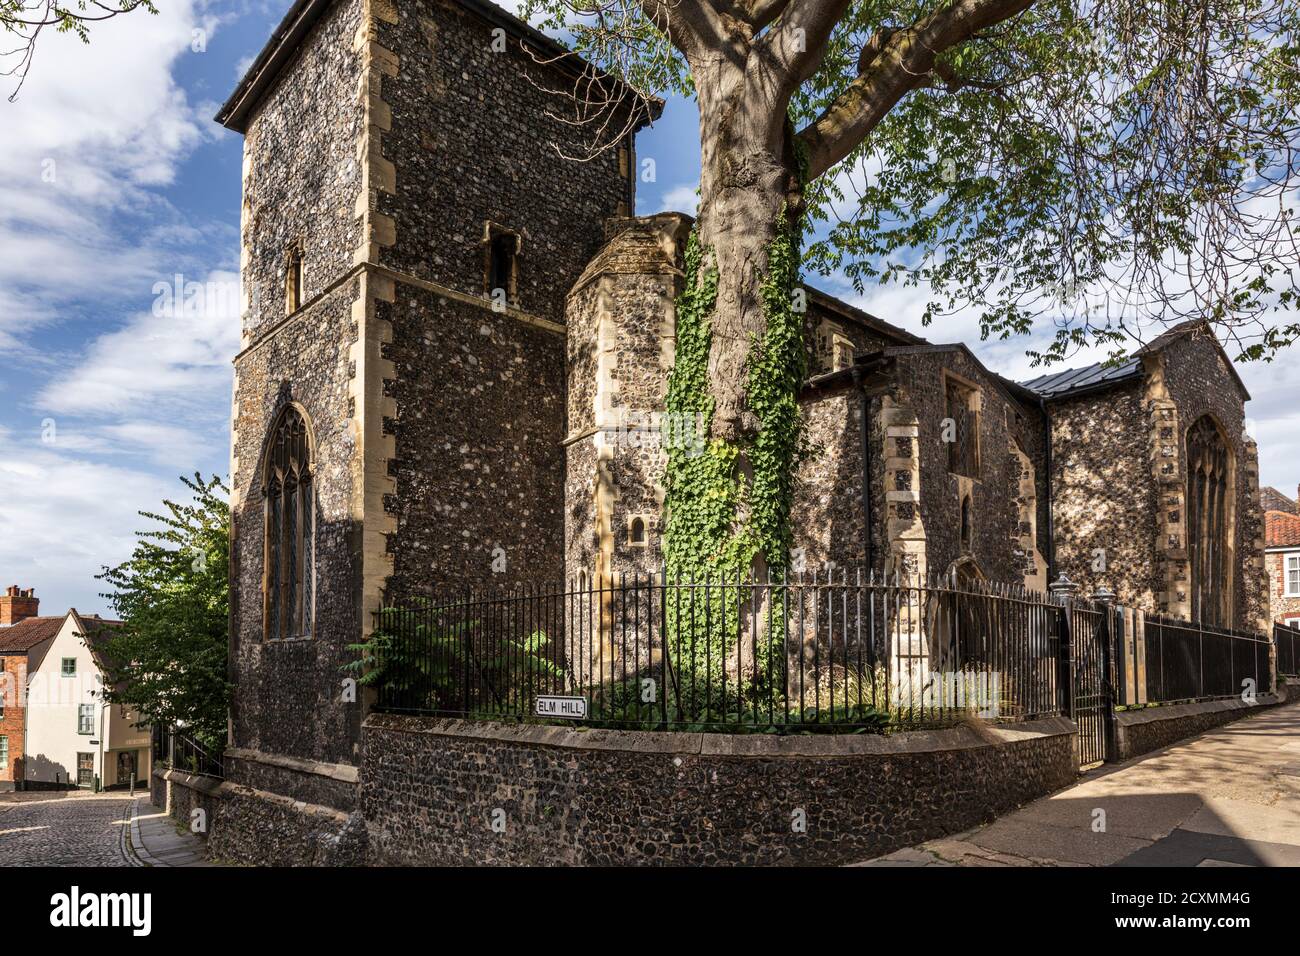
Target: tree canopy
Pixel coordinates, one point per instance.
(1100, 165)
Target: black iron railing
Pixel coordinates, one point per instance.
(844, 651)
(1187, 661)
(174, 748)
(1287, 640)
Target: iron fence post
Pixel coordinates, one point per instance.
(465, 654)
(1063, 590)
(1106, 600)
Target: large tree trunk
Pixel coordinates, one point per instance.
(750, 205)
(747, 177)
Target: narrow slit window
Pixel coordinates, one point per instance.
(293, 284)
(1208, 503)
(501, 265)
(961, 430)
(966, 534)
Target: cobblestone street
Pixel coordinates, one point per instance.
(64, 829)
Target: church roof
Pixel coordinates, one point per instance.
(302, 16)
(1104, 375)
(1073, 380)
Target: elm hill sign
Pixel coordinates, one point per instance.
(574, 708)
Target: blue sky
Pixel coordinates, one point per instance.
(117, 182)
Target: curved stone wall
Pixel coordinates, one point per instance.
(458, 792)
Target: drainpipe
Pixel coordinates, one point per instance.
(868, 518)
(1047, 464)
(26, 701)
(103, 770)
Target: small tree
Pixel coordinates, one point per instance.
(168, 659)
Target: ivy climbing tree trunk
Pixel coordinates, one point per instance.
(740, 373)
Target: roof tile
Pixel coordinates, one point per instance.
(27, 633)
(1281, 530)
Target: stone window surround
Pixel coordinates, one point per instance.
(268, 446)
(491, 232)
(295, 277)
(645, 531)
(1197, 531)
(976, 407)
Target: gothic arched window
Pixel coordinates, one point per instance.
(289, 570)
(1209, 507)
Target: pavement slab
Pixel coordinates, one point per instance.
(1229, 797)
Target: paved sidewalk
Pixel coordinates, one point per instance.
(157, 840)
(1230, 797)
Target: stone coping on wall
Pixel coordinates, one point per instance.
(1147, 729)
(968, 735)
(191, 781)
(345, 773)
(1146, 715)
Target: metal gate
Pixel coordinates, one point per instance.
(1093, 708)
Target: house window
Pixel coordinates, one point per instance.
(1208, 506)
(501, 270)
(961, 429)
(289, 566)
(1292, 575)
(293, 283)
(4, 752)
(69, 667)
(86, 719)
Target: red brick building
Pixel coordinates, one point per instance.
(1282, 555)
(22, 633)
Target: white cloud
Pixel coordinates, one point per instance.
(94, 128)
(66, 517)
(86, 232)
(173, 358)
(683, 198)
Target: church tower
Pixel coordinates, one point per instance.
(414, 213)
(620, 322)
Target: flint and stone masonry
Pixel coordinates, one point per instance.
(477, 337)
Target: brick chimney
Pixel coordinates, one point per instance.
(17, 605)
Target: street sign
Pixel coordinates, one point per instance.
(573, 708)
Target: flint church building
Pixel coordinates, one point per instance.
(450, 333)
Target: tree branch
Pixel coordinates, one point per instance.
(763, 12)
(691, 25)
(891, 66)
(796, 42)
